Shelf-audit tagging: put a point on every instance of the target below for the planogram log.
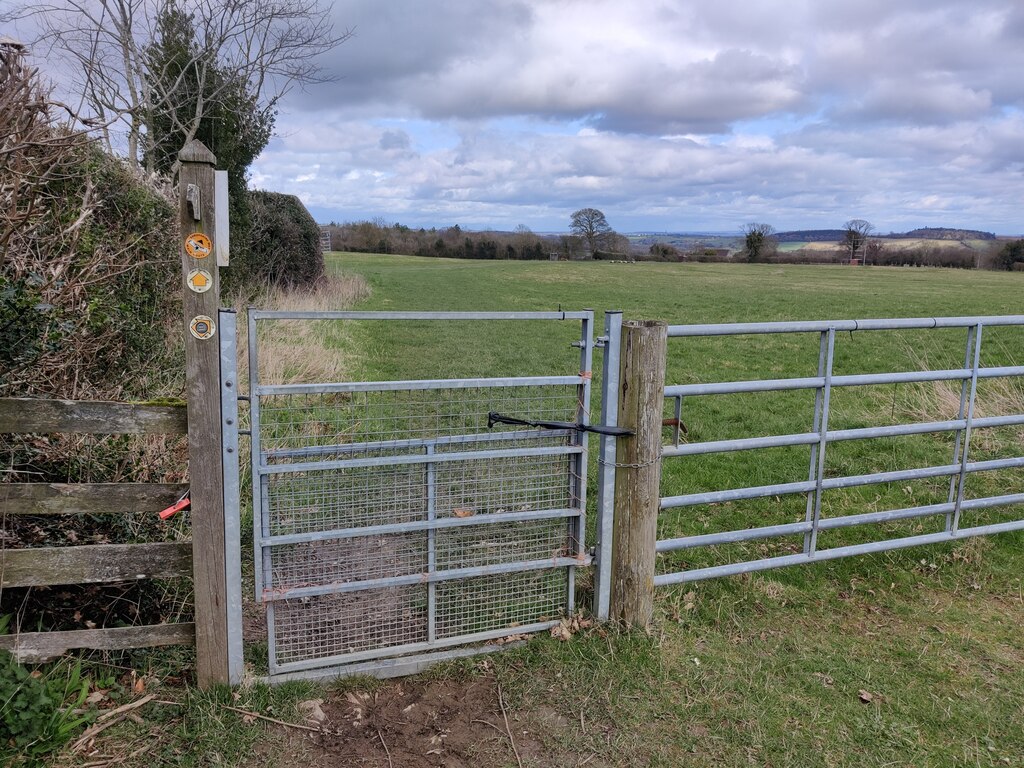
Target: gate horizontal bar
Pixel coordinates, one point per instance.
(921, 473)
(494, 518)
(382, 668)
(731, 537)
(809, 438)
(736, 494)
(264, 390)
(741, 444)
(738, 387)
(741, 329)
(260, 314)
(853, 380)
(825, 523)
(830, 523)
(866, 518)
(411, 648)
(833, 483)
(271, 595)
(732, 569)
(431, 458)
(381, 445)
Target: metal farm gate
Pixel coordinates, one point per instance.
(397, 520)
(953, 517)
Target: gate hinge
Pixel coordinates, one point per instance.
(601, 342)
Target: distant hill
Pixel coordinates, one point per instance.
(946, 233)
(923, 233)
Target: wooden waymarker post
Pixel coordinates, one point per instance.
(201, 293)
(638, 471)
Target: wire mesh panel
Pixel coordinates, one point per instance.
(397, 518)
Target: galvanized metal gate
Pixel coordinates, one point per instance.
(953, 516)
(395, 524)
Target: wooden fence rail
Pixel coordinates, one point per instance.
(97, 563)
(26, 414)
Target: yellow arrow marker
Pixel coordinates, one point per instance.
(199, 280)
(202, 327)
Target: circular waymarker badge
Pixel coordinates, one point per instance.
(198, 245)
(202, 327)
(199, 280)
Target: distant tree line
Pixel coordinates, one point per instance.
(855, 243)
(590, 238)
(378, 236)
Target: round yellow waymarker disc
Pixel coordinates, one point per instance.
(198, 245)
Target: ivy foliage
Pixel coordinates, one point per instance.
(285, 244)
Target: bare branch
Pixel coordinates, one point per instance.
(269, 45)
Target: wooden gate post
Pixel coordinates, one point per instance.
(638, 470)
(202, 362)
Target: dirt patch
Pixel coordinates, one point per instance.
(254, 621)
(414, 724)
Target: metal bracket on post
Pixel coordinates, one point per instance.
(232, 513)
(192, 198)
(606, 465)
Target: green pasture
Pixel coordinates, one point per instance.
(704, 293)
(747, 670)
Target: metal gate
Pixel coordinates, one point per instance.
(401, 522)
(952, 511)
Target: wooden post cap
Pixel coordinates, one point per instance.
(196, 152)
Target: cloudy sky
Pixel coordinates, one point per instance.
(666, 115)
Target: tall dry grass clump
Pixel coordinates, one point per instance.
(299, 350)
(940, 401)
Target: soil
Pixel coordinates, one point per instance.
(423, 724)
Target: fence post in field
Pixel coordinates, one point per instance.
(638, 470)
(201, 299)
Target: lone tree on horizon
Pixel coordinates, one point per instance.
(759, 241)
(591, 225)
(855, 235)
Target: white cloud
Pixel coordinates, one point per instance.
(669, 114)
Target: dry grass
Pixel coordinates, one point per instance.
(940, 400)
(299, 350)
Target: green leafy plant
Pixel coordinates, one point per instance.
(38, 714)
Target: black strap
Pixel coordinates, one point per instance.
(496, 418)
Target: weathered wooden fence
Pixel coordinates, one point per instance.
(203, 559)
(96, 563)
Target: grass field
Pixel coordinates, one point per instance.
(909, 658)
(696, 293)
(785, 628)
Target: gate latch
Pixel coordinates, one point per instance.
(496, 418)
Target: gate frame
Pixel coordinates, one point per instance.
(401, 660)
